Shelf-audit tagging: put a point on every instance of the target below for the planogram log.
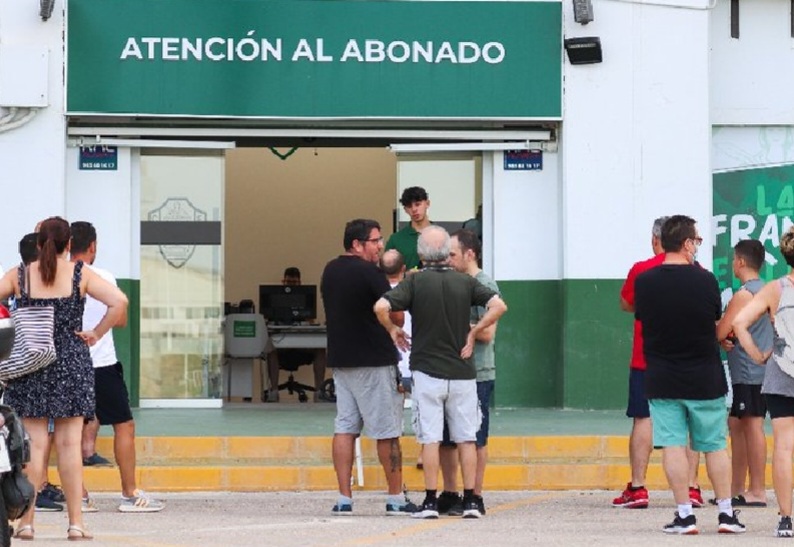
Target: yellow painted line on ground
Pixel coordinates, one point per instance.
(432, 524)
(137, 541)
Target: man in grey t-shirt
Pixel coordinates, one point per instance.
(440, 301)
(464, 257)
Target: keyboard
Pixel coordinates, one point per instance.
(295, 328)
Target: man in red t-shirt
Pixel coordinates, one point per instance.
(635, 496)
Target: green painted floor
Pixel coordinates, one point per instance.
(293, 419)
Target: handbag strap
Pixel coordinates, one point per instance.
(27, 283)
(23, 277)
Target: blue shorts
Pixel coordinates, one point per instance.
(638, 403)
(484, 392)
(704, 422)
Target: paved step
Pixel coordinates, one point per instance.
(304, 463)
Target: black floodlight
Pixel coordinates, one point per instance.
(584, 51)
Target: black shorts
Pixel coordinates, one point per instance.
(112, 399)
(779, 406)
(748, 401)
(638, 402)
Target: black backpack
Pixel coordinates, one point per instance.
(17, 490)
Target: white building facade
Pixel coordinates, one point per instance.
(670, 122)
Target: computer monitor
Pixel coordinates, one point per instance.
(288, 303)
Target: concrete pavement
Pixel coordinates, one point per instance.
(303, 519)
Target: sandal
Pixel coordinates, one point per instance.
(25, 533)
(75, 533)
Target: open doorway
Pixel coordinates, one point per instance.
(289, 210)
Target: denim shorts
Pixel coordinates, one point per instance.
(704, 422)
(638, 402)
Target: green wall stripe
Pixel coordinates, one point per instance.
(561, 344)
(127, 339)
(597, 342)
(528, 345)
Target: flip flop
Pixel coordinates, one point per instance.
(24, 533)
(741, 501)
(75, 533)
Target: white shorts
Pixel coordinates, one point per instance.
(367, 399)
(435, 398)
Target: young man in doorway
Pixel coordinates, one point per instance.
(415, 202)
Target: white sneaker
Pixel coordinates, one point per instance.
(140, 503)
(89, 506)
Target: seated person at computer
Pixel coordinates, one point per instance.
(294, 357)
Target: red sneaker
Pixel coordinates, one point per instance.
(695, 498)
(632, 499)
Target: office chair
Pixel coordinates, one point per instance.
(245, 337)
(291, 360)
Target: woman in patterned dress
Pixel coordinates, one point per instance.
(64, 390)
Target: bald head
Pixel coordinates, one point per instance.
(392, 262)
(433, 246)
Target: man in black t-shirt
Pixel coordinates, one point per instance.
(364, 359)
(678, 304)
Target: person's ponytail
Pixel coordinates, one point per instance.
(53, 237)
(48, 262)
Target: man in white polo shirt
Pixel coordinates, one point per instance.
(112, 399)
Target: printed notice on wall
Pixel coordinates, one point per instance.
(523, 160)
(99, 158)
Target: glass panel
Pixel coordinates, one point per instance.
(181, 281)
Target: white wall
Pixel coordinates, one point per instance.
(32, 156)
(105, 199)
(752, 77)
(636, 134)
(526, 221)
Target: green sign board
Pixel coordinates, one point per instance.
(752, 203)
(244, 329)
(315, 58)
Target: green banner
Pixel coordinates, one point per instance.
(752, 203)
(315, 58)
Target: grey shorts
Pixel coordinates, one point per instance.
(436, 399)
(367, 399)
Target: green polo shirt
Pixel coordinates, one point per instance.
(405, 241)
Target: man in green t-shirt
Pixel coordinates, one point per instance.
(415, 202)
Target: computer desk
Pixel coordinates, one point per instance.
(298, 336)
(301, 337)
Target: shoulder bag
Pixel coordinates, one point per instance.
(34, 342)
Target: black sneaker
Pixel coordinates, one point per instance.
(405, 508)
(54, 492)
(686, 526)
(784, 528)
(480, 504)
(428, 510)
(97, 461)
(450, 503)
(45, 504)
(342, 509)
(729, 524)
(471, 510)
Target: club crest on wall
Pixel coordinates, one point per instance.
(176, 210)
